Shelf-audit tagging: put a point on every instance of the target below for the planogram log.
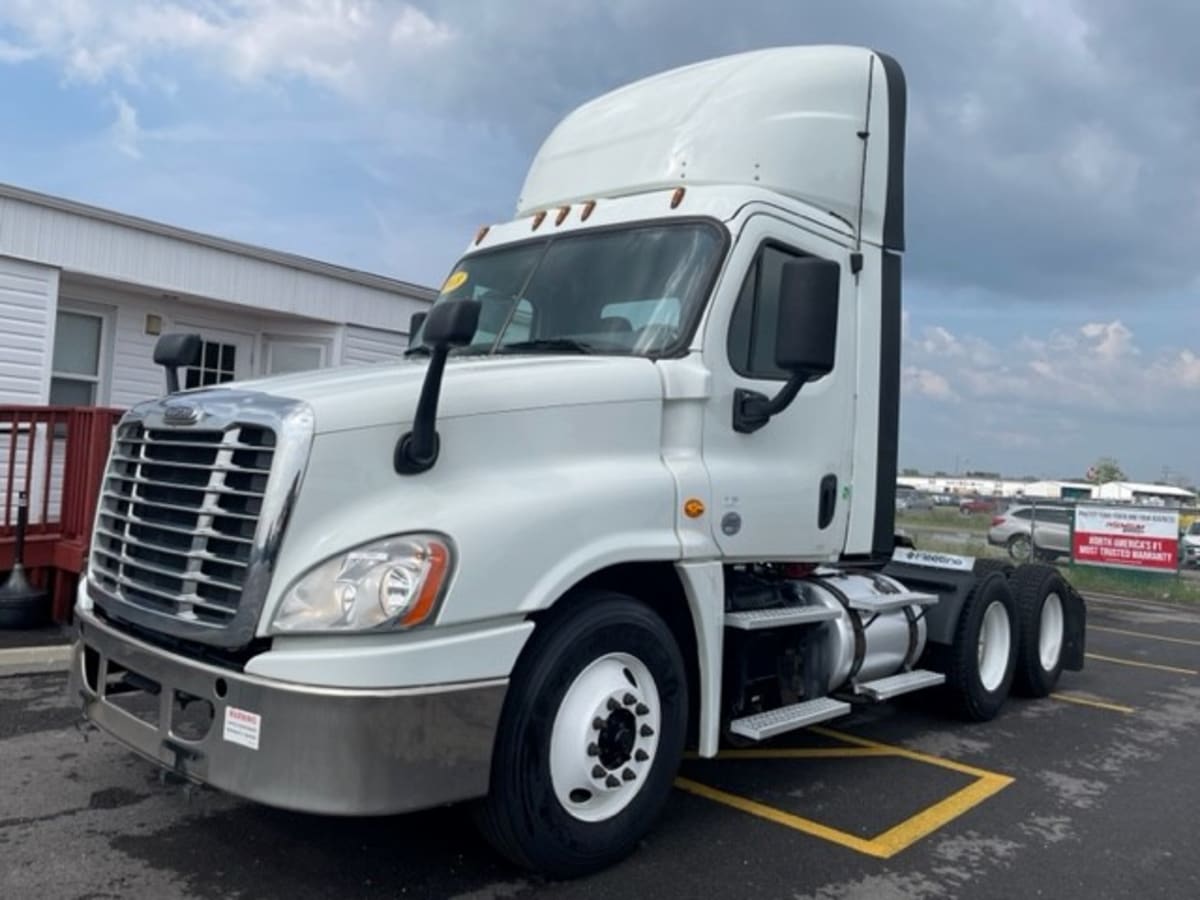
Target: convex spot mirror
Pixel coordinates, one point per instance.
(806, 336)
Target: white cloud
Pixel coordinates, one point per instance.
(124, 130)
(349, 46)
(1096, 368)
(928, 383)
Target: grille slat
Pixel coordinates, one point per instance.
(198, 577)
(179, 511)
(161, 526)
(195, 488)
(190, 554)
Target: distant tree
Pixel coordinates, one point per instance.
(1105, 469)
(910, 472)
(979, 474)
(940, 474)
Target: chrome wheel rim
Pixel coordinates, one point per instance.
(995, 643)
(1050, 632)
(604, 737)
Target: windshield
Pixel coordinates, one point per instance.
(1194, 528)
(630, 291)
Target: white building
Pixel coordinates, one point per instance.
(85, 292)
(1135, 492)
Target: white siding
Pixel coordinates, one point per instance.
(28, 296)
(120, 248)
(370, 345)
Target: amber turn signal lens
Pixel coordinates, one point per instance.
(693, 508)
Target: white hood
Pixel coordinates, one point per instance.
(366, 396)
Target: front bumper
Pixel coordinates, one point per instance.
(322, 750)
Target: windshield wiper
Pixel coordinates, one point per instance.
(558, 344)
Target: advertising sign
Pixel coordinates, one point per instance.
(1127, 537)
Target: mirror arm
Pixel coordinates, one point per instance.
(752, 410)
(417, 450)
(172, 379)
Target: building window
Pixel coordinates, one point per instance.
(75, 367)
(218, 364)
(285, 356)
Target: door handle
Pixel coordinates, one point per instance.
(828, 501)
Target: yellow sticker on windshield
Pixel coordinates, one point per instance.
(454, 282)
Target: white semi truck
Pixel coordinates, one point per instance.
(632, 490)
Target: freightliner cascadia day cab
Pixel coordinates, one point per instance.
(630, 491)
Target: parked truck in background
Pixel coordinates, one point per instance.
(632, 490)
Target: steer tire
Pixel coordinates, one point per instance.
(526, 816)
(1033, 587)
(965, 690)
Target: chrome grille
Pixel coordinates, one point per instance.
(178, 518)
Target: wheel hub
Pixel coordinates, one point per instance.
(616, 739)
(604, 737)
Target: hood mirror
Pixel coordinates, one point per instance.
(174, 350)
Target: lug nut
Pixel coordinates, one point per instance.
(629, 699)
(598, 723)
(611, 781)
(646, 731)
(641, 755)
(598, 771)
(593, 750)
(613, 705)
(628, 775)
(642, 709)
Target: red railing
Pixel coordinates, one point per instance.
(55, 456)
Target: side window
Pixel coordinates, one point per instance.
(751, 344)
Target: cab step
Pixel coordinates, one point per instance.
(779, 617)
(763, 725)
(895, 685)
(888, 603)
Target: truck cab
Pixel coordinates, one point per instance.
(631, 489)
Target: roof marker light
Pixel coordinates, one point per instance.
(677, 196)
(587, 210)
(563, 211)
(538, 218)
(482, 233)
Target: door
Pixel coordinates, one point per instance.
(781, 492)
(224, 356)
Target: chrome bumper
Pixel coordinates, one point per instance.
(320, 750)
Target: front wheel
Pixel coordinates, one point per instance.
(590, 739)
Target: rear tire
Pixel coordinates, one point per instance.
(979, 665)
(1039, 592)
(567, 797)
(988, 566)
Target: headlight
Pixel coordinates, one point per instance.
(392, 583)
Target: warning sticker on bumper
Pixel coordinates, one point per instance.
(242, 727)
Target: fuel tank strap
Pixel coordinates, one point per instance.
(860, 633)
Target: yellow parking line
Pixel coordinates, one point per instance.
(1142, 634)
(882, 846)
(1084, 701)
(1142, 665)
(779, 817)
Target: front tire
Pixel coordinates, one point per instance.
(1039, 591)
(590, 739)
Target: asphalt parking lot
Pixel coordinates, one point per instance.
(1093, 792)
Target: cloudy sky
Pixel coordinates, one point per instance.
(1053, 177)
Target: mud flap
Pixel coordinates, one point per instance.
(1074, 630)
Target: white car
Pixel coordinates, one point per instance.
(1191, 545)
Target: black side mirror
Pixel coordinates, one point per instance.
(415, 321)
(174, 350)
(805, 338)
(451, 323)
